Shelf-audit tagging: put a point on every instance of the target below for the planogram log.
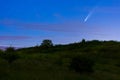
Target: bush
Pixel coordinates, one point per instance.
(82, 64)
(9, 55)
(1, 51)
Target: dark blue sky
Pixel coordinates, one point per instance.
(27, 22)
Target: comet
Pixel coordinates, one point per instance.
(90, 14)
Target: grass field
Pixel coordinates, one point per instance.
(54, 66)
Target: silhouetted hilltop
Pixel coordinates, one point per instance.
(82, 46)
(5, 47)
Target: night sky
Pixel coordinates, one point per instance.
(26, 23)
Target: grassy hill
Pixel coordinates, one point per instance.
(53, 62)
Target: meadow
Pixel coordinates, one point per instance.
(53, 62)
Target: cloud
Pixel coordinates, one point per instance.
(68, 26)
(14, 37)
(59, 32)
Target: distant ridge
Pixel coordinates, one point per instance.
(4, 47)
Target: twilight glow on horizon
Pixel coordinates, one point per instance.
(26, 23)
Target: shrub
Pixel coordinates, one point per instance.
(82, 64)
(9, 55)
(1, 51)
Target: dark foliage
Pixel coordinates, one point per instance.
(82, 64)
(83, 46)
(1, 51)
(10, 55)
(10, 50)
(47, 43)
(83, 41)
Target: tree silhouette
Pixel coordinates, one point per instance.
(10, 55)
(47, 43)
(83, 41)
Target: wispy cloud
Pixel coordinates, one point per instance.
(59, 32)
(14, 37)
(69, 27)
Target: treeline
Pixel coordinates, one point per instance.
(83, 46)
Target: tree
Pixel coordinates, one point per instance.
(10, 50)
(10, 55)
(47, 43)
(83, 41)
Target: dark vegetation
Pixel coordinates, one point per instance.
(84, 60)
(82, 64)
(9, 55)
